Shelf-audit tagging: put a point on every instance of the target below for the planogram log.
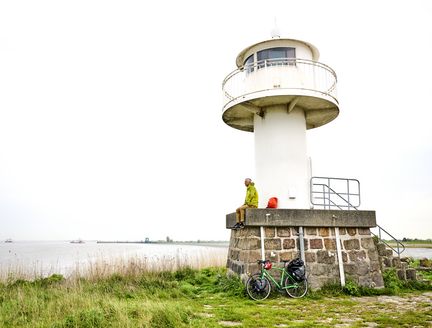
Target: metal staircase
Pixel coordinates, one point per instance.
(323, 195)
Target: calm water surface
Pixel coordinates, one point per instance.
(63, 256)
(417, 253)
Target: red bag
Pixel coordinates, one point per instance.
(272, 203)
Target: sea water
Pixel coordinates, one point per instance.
(32, 258)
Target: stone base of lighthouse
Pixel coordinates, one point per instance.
(281, 242)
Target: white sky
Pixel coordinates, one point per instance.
(110, 113)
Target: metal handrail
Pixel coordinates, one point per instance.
(280, 61)
(349, 205)
(315, 76)
(326, 194)
(398, 243)
(400, 247)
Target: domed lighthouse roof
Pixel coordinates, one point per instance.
(279, 71)
(273, 43)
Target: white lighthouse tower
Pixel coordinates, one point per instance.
(279, 91)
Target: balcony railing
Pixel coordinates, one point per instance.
(289, 75)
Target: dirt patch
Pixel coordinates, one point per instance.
(229, 323)
(206, 315)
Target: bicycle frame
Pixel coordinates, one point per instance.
(284, 275)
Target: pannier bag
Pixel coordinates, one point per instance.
(260, 284)
(297, 269)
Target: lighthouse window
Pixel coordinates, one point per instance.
(248, 65)
(275, 56)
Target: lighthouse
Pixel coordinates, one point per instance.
(278, 92)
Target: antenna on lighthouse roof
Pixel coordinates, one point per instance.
(275, 33)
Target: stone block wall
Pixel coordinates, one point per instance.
(359, 253)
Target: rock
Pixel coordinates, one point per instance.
(350, 268)
(311, 231)
(272, 256)
(351, 231)
(316, 243)
(387, 262)
(411, 274)
(272, 244)
(269, 232)
(396, 263)
(310, 257)
(381, 249)
(330, 244)
(367, 243)
(288, 243)
(356, 256)
(351, 244)
(426, 263)
(388, 252)
(249, 256)
(406, 259)
(288, 256)
(363, 231)
(375, 266)
(248, 232)
(378, 280)
(283, 232)
(325, 257)
(362, 268)
(373, 254)
(249, 243)
(401, 274)
(324, 232)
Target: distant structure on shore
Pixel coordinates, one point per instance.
(77, 241)
(8, 240)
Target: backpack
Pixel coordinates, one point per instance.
(272, 203)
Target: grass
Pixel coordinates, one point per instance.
(202, 298)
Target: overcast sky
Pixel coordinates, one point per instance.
(110, 113)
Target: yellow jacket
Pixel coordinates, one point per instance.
(251, 195)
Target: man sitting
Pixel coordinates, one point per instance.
(251, 201)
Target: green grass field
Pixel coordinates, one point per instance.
(203, 298)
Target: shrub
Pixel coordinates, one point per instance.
(391, 280)
(351, 288)
(85, 319)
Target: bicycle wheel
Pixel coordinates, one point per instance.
(258, 288)
(298, 288)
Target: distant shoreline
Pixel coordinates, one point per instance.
(410, 245)
(193, 243)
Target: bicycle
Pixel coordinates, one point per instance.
(258, 286)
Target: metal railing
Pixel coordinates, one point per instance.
(399, 246)
(322, 194)
(279, 73)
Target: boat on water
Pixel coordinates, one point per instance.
(77, 241)
(8, 240)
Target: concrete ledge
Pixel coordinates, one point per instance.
(269, 217)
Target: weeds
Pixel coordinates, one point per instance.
(196, 298)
